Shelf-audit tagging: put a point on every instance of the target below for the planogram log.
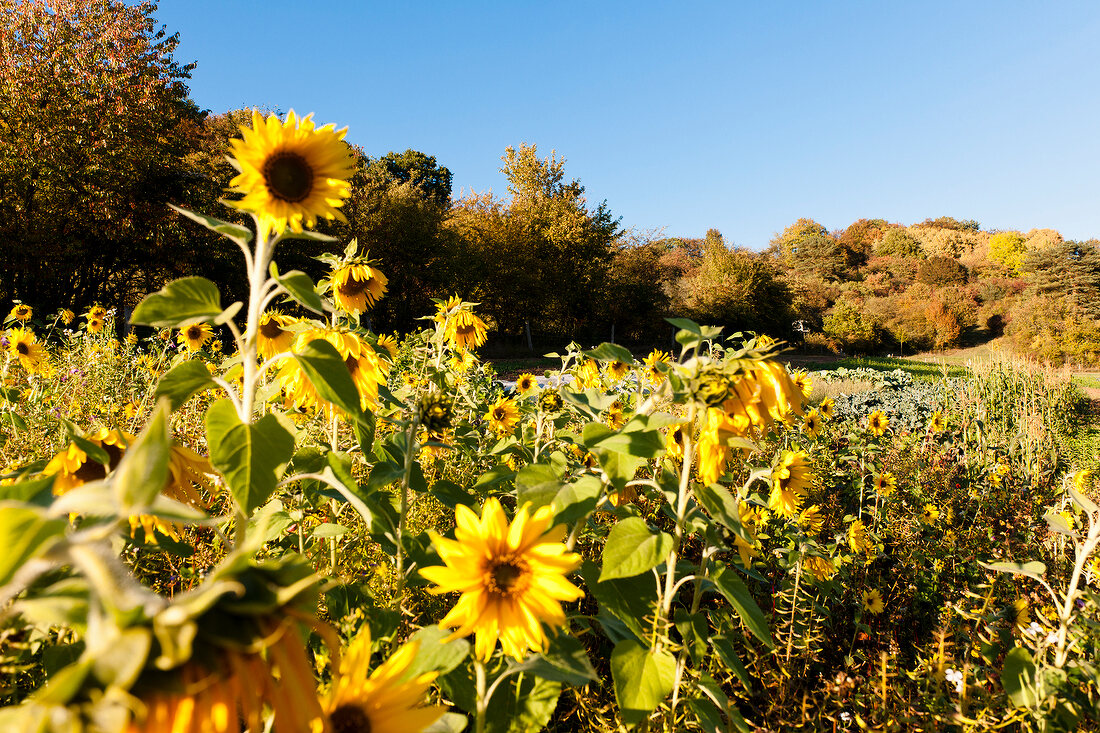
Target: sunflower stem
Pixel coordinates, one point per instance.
(482, 699)
(410, 454)
(681, 512)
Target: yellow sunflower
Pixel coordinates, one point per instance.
(858, 538)
(367, 370)
(526, 382)
(356, 287)
(588, 373)
(872, 601)
(877, 422)
(652, 372)
(291, 172)
(937, 423)
(821, 568)
(66, 316)
(674, 442)
(273, 336)
(21, 312)
(885, 483)
(615, 416)
(462, 361)
(714, 452)
(1081, 480)
(23, 345)
(72, 467)
(827, 408)
(463, 329)
(195, 336)
(511, 577)
(804, 382)
(929, 514)
(790, 480)
(812, 423)
(617, 370)
(389, 343)
(94, 325)
(386, 701)
(96, 311)
(812, 520)
(502, 416)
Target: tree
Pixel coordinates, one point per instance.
(898, 242)
(806, 248)
(860, 238)
(941, 271)
(1008, 249)
(95, 120)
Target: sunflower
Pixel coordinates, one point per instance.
(462, 361)
(462, 328)
(812, 520)
(358, 286)
(674, 442)
(885, 483)
(821, 568)
(714, 450)
(96, 311)
(617, 370)
(1019, 613)
(502, 416)
(526, 382)
(273, 336)
(94, 325)
(389, 343)
(21, 312)
(195, 336)
(877, 422)
(872, 601)
(615, 417)
(827, 408)
(750, 520)
(653, 373)
(291, 172)
(72, 467)
(387, 701)
(812, 423)
(936, 424)
(790, 479)
(858, 538)
(511, 577)
(24, 346)
(550, 400)
(804, 383)
(1081, 480)
(588, 373)
(764, 341)
(367, 370)
(929, 514)
(66, 316)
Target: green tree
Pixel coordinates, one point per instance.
(898, 242)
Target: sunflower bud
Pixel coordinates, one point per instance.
(713, 389)
(550, 401)
(436, 411)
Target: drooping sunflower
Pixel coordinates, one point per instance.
(525, 383)
(367, 370)
(511, 577)
(790, 480)
(885, 483)
(617, 370)
(387, 700)
(1081, 480)
(812, 520)
(714, 449)
(462, 328)
(653, 373)
(858, 538)
(550, 400)
(821, 568)
(23, 345)
(195, 336)
(291, 172)
(872, 601)
(66, 316)
(811, 424)
(21, 313)
(502, 416)
(877, 422)
(273, 336)
(356, 287)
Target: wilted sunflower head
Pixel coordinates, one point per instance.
(550, 401)
(66, 316)
(291, 172)
(617, 370)
(21, 312)
(436, 410)
(358, 286)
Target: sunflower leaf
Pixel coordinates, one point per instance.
(564, 661)
(643, 679)
(143, 470)
(183, 381)
(305, 234)
(434, 653)
(233, 231)
(610, 352)
(632, 549)
(299, 286)
(180, 303)
(538, 484)
(1033, 569)
(329, 375)
(25, 533)
(733, 589)
(251, 456)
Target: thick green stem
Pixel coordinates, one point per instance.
(482, 697)
(410, 456)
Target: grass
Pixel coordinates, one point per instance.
(921, 370)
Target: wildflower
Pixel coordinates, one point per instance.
(877, 422)
(1019, 613)
(462, 329)
(24, 346)
(131, 409)
(526, 382)
(96, 311)
(21, 313)
(821, 568)
(653, 373)
(511, 576)
(387, 701)
(273, 336)
(462, 361)
(936, 424)
(291, 172)
(827, 408)
(617, 370)
(885, 483)
(131, 338)
(955, 677)
(812, 520)
(929, 514)
(389, 343)
(858, 538)
(195, 336)
(872, 601)
(804, 382)
(812, 423)
(67, 316)
(94, 325)
(790, 479)
(763, 341)
(502, 416)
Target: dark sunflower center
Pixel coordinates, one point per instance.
(349, 719)
(22, 348)
(499, 413)
(194, 333)
(465, 329)
(354, 286)
(288, 176)
(352, 364)
(505, 575)
(271, 330)
(90, 471)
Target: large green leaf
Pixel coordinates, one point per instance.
(538, 484)
(180, 303)
(610, 352)
(329, 375)
(643, 679)
(733, 589)
(1019, 678)
(633, 549)
(435, 655)
(143, 470)
(251, 457)
(25, 533)
(184, 380)
(300, 287)
(577, 499)
(630, 600)
(564, 661)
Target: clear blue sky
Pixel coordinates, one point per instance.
(738, 115)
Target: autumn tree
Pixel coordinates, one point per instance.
(1008, 249)
(95, 120)
(860, 238)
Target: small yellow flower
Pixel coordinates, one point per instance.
(827, 408)
(872, 602)
(937, 423)
(23, 345)
(525, 383)
(811, 424)
(389, 343)
(885, 483)
(877, 422)
(929, 514)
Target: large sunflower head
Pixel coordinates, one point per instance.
(388, 700)
(23, 345)
(462, 328)
(357, 286)
(21, 312)
(502, 416)
(291, 172)
(526, 382)
(511, 577)
(273, 336)
(367, 370)
(195, 336)
(877, 422)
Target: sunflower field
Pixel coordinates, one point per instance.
(263, 516)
